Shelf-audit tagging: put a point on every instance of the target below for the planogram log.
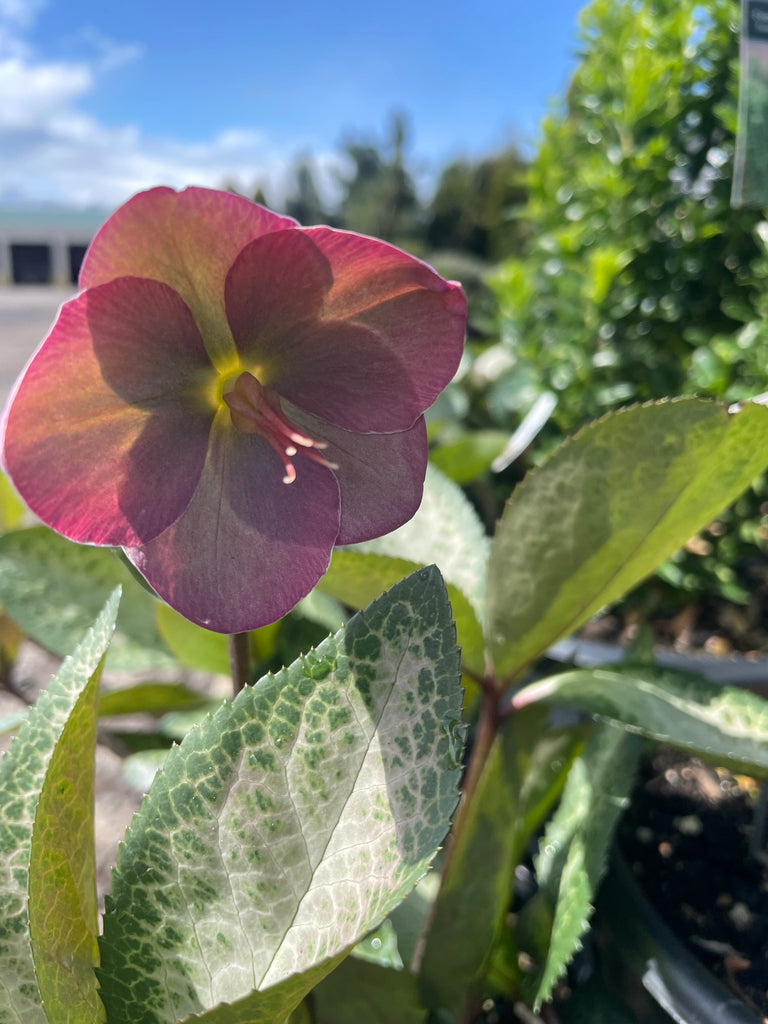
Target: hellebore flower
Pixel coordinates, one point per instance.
(229, 396)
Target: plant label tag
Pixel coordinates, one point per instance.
(750, 172)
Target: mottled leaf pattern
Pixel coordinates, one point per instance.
(573, 850)
(22, 771)
(290, 823)
(446, 530)
(357, 576)
(721, 723)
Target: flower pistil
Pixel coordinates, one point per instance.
(255, 409)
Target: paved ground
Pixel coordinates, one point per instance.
(26, 313)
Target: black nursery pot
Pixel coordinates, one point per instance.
(658, 978)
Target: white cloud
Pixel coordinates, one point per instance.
(20, 13)
(53, 151)
(34, 97)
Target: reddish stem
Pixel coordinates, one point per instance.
(239, 661)
(487, 725)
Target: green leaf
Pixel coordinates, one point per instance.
(289, 824)
(357, 992)
(521, 778)
(202, 649)
(323, 610)
(607, 507)
(176, 724)
(446, 532)
(150, 698)
(22, 775)
(54, 589)
(380, 946)
(356, 577)
(266, 1007)
(408, 918)
(140, 769)
(301, 1015)
(467, 458)
(723, 724)
(12, 721)
(572, 853)
(63, 919)
(193, 645)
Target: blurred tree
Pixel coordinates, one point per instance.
(231, 185)
(304, 202)
(476, 207)
(257, 194)
(379, 196)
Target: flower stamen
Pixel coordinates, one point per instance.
(256, 410)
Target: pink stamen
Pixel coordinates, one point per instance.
(256, 410)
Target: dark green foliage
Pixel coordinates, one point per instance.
(304, 203)
(380, 195)
(291, 821)
(639, 275)
(476, 207)
(637, 259)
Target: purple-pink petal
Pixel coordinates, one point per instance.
(348, 328)
(248, 547)
(417, 317)
(277, 284)
(187, 240)
(145, 340)
(104, 437)
(380, 476)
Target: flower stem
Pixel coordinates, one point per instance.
(239, 661)
(485, 734)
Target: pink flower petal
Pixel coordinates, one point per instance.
(248, 547)
(104, 436)
(366, 338)
(188, 240)
(415, 323)
(380, 476)
(345, 375)
(277, 283)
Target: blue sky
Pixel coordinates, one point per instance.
(99, 100)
